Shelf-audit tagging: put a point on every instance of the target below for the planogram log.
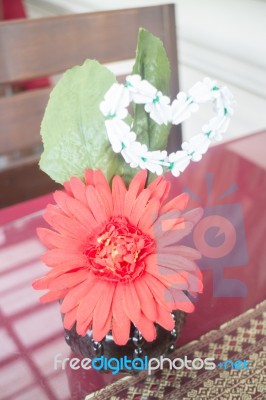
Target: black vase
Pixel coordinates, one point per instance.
(136, 347)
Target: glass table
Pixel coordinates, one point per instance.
(229, 183)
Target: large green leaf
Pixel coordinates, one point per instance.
(151, 64)
(73, 130)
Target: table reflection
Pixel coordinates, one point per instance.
(31, 334)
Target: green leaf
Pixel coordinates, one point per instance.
(73, 130)
(151, 64)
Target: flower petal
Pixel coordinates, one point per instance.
(52, 296)
(88, 303)
(82, 214)
(160, 188)
(99, 179)
(104, 191)
(58, 256)
(176, 279)
(131, 302)
(186, 276)
(60, 198)
(194, 280)
(83, 326)
(70, 318)
(185, 252)
(164, 318)
(138, 208)
(95, 205)
(65, 225)
(119, 313)
(100, 332)
(193, 215)
(106, 200)
(170, 262)
(43, 283)
(121, 332)
(68, 280)
(78, 189)
(169, 222)
(159, 290)
(119, 192)
(102, 312)
(146, 328)
(177, 203)
(68, 189)
(181, 301)
(146, 299)
(150, 215)
(52, 239)
(172, 236)
(136, 186)
(89, 177)
(76, 294)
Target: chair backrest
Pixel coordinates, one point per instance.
(48, 46)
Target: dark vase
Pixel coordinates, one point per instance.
(136, 347)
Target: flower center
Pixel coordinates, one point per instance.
(118, 252)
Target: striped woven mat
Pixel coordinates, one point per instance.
(242, 338)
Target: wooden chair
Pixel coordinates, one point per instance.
(48, 46)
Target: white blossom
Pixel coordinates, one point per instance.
(201, 91)
(154, 161)
(133, 153)
(216, 127)
(181, 108)
(159, 109)
(137, 155)
(116, 101)
(119, 134)
(141, 91)
(123, 140)
(223, 102)
(156, 104)
(179, 160)
(197, 146)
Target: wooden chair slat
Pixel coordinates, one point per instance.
(20, 119)
(50, 45)
(23, 178)
(43, 47)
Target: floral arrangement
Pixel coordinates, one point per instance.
(157, 105)
(113, 241)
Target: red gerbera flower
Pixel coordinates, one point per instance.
(114, 256)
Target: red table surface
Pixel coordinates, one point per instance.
(229, 183)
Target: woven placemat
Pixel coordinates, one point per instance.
(242, 338)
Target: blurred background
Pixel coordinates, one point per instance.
(223, 39)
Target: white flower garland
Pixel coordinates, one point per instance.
(123, 139)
